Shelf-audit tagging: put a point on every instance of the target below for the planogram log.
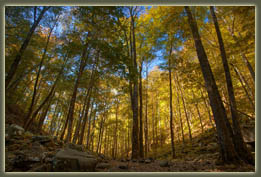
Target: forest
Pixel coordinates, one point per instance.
(129, 88)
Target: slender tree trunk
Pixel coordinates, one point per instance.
(85, 117)
(199, 116)
(73, 98)
(239, 143)
(30, 110)
(180, 117)
(185, 108)
(43, 116)
(170, 107)
(115, 132)
(89, 125)
(78, 124)
(146, 114)
(207, 108)
(54, 118)
(242, 83)
(20, 53)
(29, 121)
(251, 70)
(100, 133)
(227, 149)
(135, 129)
(141, 122)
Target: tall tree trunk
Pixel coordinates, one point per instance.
(43, 116)
(184, 107)
(29, 121)
(20, 53)
(82, 131)
(115, 132)
(146, 114)
(141, 122)
(135, 129)
(170, 106)
(55, 116)
(180, 117)
(207, 108)
(30, 110)
(199, 116)
(89, 125)
(100, 133)
(239, 143)
(251, 70)
(73, 98)
(76, 133)
(227, 149)
(243, 85)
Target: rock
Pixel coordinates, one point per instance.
(105, 161)
(41, 139)
(141, 161)
(248, 133)
(75, 147)
(164, 163)
(14, 130)
(103, 165)
(69, 160)
(147, 161)
(28, 135)
(101, 156)
(134, 160)
(123, 166)
(36, 146)
(34, 159)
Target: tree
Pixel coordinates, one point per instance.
(170, 106)
(228, 153)
(14, 66)
(237, 137)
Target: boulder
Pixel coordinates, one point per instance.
(141, 161)
(14, 130)
(164, 163)
(134, 160)
(75, 147)
(70, 160)
(123, 166)
(147, 161)
(248, 133)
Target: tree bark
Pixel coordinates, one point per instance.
(170, 106)
(146, 114)
(135, 129)
(180, 118)
(141, 122)
(89, 125)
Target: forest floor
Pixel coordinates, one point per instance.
(198, 155)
